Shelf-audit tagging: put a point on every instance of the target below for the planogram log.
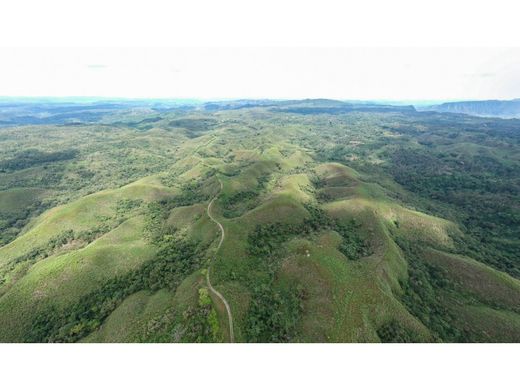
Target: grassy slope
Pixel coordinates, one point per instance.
(132, 316)
(15, 199)
(83, 214)
(492, 309)
(73, 272)
(366, 291)
(63, 279)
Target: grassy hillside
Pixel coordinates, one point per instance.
(341, 225)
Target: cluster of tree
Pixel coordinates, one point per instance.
(49, 177)
(158, 212)
(124, 206)
(37, 253)
(238, 203)
(481, 192)
(275, 309)
(195, 127)
(266, 239)
(175, 259)
(191, 193)
(88, 236)
(352, 245)
(425, 294)
(31, 157)
(273, 313)
(13, 221)
(200, 322)
(141, 125)
(457, 167)
(234, 205)
(394, 332)
(114, 156)
(54, 244)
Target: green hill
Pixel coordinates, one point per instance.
(358, 225)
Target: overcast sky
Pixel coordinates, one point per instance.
(342, 73)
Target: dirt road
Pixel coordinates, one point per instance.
(212, 289)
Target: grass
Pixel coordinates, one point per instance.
(61, 280)
(346, 301)
(297, 186)
(131, 318)
(80, 215)
(19, 198)
(488, 285)
(194, 222)
(410, 223)
(488, 324)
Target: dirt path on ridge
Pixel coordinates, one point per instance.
(212, 289)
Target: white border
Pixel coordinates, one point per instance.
(187, 23)
(314, 366)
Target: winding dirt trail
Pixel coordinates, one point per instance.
(212, 289)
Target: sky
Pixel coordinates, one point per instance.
(399, 74)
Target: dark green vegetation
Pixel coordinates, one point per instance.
(33, 157)
(343, 223)
(481, 192)
(174, 260)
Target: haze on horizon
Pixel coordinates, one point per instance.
(395, 74)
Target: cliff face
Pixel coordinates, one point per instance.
(498, 108)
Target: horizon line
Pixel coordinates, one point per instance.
(224, 99)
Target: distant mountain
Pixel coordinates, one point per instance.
(60, 111)
(497, 108)
(308, 106)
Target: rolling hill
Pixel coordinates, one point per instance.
(341, 223)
